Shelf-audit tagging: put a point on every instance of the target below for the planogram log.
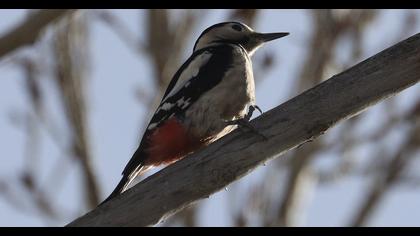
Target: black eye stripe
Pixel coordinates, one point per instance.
(237, 27)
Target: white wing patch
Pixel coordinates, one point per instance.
(191, 71)
(183, 103)
(165, 106)
(152, 125)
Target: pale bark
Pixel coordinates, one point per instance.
(29, 30)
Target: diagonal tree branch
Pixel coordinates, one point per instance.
(29, 30)
(287, 126)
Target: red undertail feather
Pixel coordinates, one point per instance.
(170, 142)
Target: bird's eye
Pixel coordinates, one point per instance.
(237, 27)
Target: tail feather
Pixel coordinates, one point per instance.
(125, 182)
(122, 185)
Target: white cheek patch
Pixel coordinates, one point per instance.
(191, 71)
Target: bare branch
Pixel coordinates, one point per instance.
(287, 126)
(29, 30)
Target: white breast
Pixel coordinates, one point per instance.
(227, 101)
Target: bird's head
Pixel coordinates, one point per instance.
(235, 33)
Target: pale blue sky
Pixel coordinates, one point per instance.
(116, 119)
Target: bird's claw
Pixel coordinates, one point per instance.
(257, 107)
(244, 122)
(251, 110)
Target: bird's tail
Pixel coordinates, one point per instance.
(124, 183)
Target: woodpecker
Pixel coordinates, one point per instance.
(211, 94)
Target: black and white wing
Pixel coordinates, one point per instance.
(201, 72)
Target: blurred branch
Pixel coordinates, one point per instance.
(329, 25)
(410, 21)
(247, 16)
(166, 37)
(287, 126)
(27, 178)
(300, 168)
(385, 180)
(376, 166)
(121, 30)
(70, 53)
(29, 30)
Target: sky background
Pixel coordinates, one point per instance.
(116, 120)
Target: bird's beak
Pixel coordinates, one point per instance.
(269, 36)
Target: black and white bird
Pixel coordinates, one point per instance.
(208, 96)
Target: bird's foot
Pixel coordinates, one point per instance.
(244, 122)
(251, 110)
